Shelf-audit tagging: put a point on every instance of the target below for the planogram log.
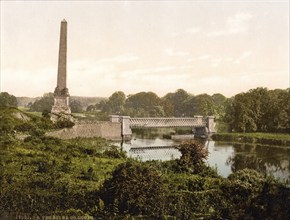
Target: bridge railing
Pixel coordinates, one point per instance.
(167, 122)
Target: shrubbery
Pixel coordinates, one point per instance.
(87, 176)
(134, 189)
(64, 123)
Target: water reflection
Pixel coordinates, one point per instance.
(265, 159)
(226, 157)
(161, 149)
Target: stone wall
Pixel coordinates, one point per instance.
(107, 130)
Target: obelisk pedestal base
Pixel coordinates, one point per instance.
(61, 110)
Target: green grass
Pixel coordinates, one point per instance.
(26, 110)
(22, 108)
(39, 114)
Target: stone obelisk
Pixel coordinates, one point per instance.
(61, 95)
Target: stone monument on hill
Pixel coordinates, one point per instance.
(61, 95)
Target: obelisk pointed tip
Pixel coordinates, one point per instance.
(63, 20)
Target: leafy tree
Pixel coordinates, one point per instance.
(193, 156)
(7, 100)
(116, 102)
(76, 106)
(91, 108)
(201, 105)
(45, 103)
(167, 107)
(178, 101)
(259, 110)
(277, 114)
(144, 104)
(101, 105)
(220, 102)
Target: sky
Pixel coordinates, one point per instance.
(206, 46)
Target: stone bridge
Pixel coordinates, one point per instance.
(200, 125)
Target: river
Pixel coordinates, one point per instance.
(225, 157)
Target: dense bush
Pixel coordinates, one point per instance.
(113, 152)
(193, 156)
(133, 189)
(250, 195)
(64, 123)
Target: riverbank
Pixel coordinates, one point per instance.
(254, 138)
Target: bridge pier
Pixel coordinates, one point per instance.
(210, 125)
(126, 131)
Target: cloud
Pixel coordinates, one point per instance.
(120, 59)
(216, 62)
(172, 52)
(205, 57)
(243, 56)
(146, 71)
(192, 30)
(234, 25)
(38, 82)
(188, 31)
(103, 78)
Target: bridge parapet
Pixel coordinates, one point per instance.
(167, 122)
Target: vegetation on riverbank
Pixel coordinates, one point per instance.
(88, 177)
(254, 138)
(45, 176)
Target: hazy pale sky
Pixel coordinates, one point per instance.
(201, 46)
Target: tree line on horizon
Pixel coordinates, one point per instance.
(257, 110)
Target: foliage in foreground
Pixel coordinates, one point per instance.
(44, 176)
(166, 189)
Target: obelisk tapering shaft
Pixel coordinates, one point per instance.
(61, 95)
(61, 73)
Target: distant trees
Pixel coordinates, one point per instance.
(178, 101)
(144, 104)
(258, 109)
(75, 106)
(45, 103)
(116, 102)
(261, 110)
(148, 104)
(7, 100)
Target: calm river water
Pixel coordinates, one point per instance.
(226, 157)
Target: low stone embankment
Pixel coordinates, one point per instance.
(104, 129)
